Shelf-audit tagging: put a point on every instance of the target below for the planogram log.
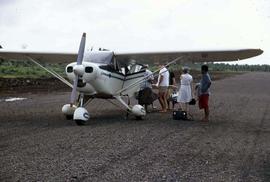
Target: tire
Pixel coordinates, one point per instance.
(139, 117)
(69, 117)
(80, 122)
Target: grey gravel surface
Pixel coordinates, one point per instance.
(38, 144)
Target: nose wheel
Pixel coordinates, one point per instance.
(77, 113)
(80, 122)
(81, 115)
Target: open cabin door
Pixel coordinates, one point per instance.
(133, 73)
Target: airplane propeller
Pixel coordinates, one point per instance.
(78, 69)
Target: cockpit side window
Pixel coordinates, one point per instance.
(134, 68)
(123, 67)
(113, 66)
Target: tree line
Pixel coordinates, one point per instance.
(27, 68)
(237, 67)
(232, 67)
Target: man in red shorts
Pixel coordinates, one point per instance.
(204, 92)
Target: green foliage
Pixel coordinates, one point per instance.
(27, 69)
(227, 67)
(237, 68)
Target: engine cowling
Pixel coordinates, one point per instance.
(87, 71)
(90, 72)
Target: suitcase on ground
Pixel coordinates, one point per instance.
(179, 115)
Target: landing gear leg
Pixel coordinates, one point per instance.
(137, 110)
(127, 115)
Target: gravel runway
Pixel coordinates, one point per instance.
(38, 144)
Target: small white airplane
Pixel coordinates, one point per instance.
(111, 75)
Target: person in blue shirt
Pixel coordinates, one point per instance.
(204, 92)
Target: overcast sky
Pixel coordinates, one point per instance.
(137, 25)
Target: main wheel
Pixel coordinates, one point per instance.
(80, 122)
(139, 117)
(69, 117)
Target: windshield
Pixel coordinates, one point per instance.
(102, 57)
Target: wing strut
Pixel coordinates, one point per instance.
(56, 75)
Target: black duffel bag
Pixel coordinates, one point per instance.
(146, 96)
(180, 115)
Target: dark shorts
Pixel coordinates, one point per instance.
(203, 101)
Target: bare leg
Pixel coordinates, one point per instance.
(189, 116)
(179, 106)
(186, 107)
(160, 99)
(183, 106)
(168, 104)
(206, 114)
(165, 101)
(160, 102)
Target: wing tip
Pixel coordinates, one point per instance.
(257, 52)
(251, 53)
(260, 51)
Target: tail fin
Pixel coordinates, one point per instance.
(1, 47)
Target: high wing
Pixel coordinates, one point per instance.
(144, 57)
(48, 57)
(190, 56)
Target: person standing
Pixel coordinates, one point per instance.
(171, 88)
(162, 84)
(149, 78)
(204, 92)
(185, 90)
(146, 95)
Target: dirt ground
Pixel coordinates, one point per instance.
(38, 144)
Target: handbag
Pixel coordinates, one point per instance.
(192, 102)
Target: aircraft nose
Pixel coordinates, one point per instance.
(86, 71)
(79, 69)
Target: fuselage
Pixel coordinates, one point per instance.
(103, 76)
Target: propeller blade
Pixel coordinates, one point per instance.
(81, 50)
(73, 93)
(79, 62)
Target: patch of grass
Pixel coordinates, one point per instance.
(24, 69)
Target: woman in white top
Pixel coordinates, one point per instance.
(185, 89)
